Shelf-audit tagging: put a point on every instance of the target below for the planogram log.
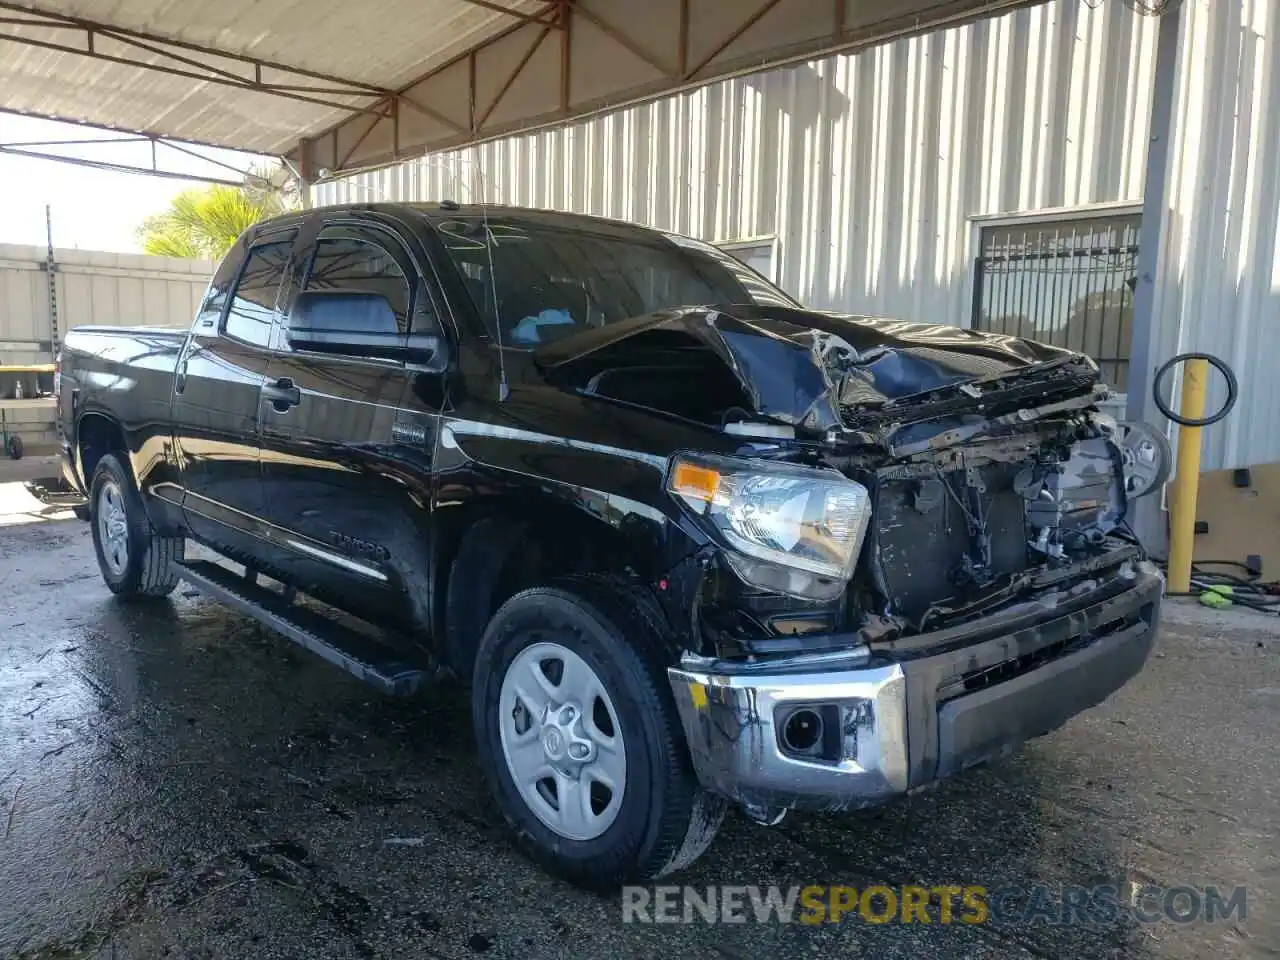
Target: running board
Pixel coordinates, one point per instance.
(55, 492)
(359, 655)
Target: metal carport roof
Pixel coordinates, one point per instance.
(336, 85)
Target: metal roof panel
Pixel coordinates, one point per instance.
(341, 85)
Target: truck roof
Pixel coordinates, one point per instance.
(447, 210)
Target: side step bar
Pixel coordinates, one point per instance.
(359, 655)
(55, 492)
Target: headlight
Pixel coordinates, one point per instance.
(810, 520)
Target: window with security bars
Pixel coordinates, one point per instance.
(1068, 282)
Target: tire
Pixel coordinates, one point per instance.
(135, 561)
(15, 447)
(663, 819)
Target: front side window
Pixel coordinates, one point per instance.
(541, 282)
(215, 297)
(348, 264)
(253, 305)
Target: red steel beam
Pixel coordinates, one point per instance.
(682, 44)
(620, 38)
(152, 171)
(165, 142)
(526, 17)
(566, 52)
(720, 48)
(65, 21)
(144, 134)
(427, 111)
(188, 74)
(75, 143)
(468, 55)
(18, 145)
(528, 55)
(359, 140)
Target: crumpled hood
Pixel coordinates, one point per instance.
(799, 367)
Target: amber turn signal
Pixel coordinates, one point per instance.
(690, 480)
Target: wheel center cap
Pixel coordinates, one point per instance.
(553, 743)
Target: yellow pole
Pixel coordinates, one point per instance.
(1186, 485)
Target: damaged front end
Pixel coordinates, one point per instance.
(970, 463)
(920, 557)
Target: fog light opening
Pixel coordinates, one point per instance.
(802, 732)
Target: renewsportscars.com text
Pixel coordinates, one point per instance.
(943, 904)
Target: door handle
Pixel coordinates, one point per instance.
(180, 376)
(283, 394)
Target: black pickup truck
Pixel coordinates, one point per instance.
(688, 542)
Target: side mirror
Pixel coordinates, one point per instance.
(356, 323)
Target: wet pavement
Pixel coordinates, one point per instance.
(176, 781)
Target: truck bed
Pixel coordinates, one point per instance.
(123, 372)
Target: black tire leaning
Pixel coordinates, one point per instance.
(152, 568)
(667, 819)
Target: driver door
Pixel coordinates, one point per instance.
(216, 389)
(335, 485)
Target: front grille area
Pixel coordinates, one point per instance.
(1006, 670)
(976, 680)
(921, 544)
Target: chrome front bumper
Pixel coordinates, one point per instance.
(903, 724)
(731, 722)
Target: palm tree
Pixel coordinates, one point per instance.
(205, 222)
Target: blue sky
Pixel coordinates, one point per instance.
(92, 209)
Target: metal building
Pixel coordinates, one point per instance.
(989, 174)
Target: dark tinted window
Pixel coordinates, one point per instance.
(545, 282)
(253, 305)
(354, 265)
(215, 298)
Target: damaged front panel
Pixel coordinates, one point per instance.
(833, 378)
(985, 457)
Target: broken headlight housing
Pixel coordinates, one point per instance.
(789, 529)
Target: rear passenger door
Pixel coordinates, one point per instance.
(335, 486)
(216, 388)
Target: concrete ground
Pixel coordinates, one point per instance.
(176, 781)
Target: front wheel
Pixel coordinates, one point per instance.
(580, 740)
(135, 560)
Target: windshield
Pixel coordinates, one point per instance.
(543, 282)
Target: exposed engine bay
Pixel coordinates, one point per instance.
(952, 523)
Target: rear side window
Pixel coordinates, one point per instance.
(253, 304)
(354, 265)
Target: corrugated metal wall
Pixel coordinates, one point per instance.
(868, 168)
(92, 288)
(1218, 281)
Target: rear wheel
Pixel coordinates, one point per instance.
(580, 740)
(135, 561)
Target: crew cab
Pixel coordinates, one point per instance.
(689, 543)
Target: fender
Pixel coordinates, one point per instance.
(534, 474)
